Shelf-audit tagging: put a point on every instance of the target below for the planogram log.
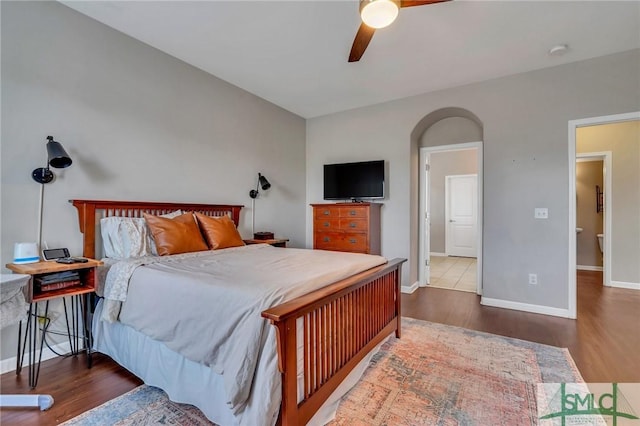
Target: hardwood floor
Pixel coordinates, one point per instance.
(74, 387)
(604, 342)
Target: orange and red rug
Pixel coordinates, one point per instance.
(442, 375)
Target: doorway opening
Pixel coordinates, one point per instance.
(593, 212)
(620, 270)
(450, 251)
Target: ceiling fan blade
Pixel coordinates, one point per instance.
(365, 33)
(360, 43)
(411, 3)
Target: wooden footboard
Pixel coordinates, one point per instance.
(341, 324)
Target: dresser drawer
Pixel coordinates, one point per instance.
(355, 224)
(326, 212)
(354, 211)
(324, 224)
(341, 241)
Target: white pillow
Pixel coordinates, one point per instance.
(125, 237)
(172, 214)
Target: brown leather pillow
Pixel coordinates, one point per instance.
(220, 231)
(178, 235)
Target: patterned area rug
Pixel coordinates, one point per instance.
(442, 375)
(435, 375)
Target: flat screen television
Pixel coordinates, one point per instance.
(354, 181)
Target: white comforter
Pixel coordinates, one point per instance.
(206, 306)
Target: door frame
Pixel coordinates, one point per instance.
(424, 203)
(447, 212)
(573, 125)
(605, 157)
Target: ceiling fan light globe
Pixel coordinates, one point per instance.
(378, 13)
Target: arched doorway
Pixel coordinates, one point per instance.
(447, 149)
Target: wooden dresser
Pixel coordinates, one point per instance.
(353, 227)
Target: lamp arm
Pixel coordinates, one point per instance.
(253, 217)
(40, 209)
(255, 192)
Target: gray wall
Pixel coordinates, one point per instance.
(443, 164)
(451, 130)
(588, 175)
(623, 140)
(525, 153)
(138, 124)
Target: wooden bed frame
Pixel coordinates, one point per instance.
(342, 322)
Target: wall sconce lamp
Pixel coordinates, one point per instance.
(264, 184)
(58, 158)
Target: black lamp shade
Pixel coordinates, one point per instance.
(264, 183)
(58, 157)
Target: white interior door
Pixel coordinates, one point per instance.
(461, 210)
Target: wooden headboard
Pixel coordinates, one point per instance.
(91, 211)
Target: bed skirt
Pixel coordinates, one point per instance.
(186, 381)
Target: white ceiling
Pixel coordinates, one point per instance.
(294, 53)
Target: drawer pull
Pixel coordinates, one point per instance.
(353, 225)
(326, 239)
(326, 224)
(352, 212)
(352, 241)
(326, 212)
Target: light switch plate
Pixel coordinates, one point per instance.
(541, 213)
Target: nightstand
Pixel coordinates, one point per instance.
(276, 242)
(44, 286)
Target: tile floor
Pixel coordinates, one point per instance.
(456, 273)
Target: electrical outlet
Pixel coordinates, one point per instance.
(533, 279)
(541, 213)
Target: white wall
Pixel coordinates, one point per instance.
(138, 124)
(524, 119)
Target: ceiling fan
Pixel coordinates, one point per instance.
(378, 14)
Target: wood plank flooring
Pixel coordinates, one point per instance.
(74, 387)
(604, 341)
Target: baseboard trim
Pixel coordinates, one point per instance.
(622, 284)
(9, 364)
(526, 307)
(588, 268)
(409, 289)
(436, 254)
